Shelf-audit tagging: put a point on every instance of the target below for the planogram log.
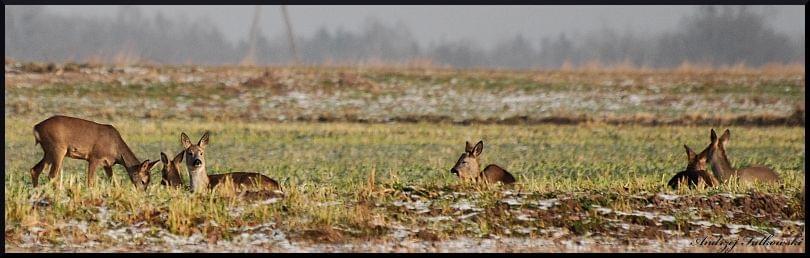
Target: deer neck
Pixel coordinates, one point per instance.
(721, 166)
(199, 179)
(127, 158)
(469, 175)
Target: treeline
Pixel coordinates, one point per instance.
(716, 36)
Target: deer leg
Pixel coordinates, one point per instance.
(91, 171)
(37, 169)
(109, 171)
(56, 167)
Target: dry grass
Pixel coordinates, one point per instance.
(382, 186)
(344, 181)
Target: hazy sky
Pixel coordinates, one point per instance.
(485, 25)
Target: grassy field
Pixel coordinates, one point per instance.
(592, 186)
(722, 97)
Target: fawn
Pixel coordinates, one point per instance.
(696, 171)
(171, 170)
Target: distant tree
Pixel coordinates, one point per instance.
(555, 52)
(800, 51)
(462, 54)
(515, 53)
(724, 35)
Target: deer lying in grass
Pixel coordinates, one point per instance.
(467, 167)
(171, 170)
(98, 144)
(696, 171)
(201, 180)
(722, 167)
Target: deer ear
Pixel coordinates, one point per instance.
(703, 154)
(152, 165)
(690, 154)
(146, 165)
(467, 147)
(164, 158)
(479, 147)
(143, 165)
(178, 157)
(185, 141)
(713, 136)
(203, 141)
(724, 138)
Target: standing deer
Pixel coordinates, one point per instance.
(98, 144)
(722, 167)
(171, 170)
(467, 167)
(201, 180)
(696, 171)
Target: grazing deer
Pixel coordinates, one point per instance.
(696, 171)
(98, 144)
(171, 170)
(467, 167)
(722, 167)
(200, 180)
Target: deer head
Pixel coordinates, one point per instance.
(467, 166)
(195, 161)
(139, 174)
(171, 169)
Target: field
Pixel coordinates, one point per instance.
(364, 156)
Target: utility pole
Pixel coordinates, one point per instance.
(250, 57)
(290, 35)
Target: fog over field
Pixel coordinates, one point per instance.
(457, 36)
(484, 24)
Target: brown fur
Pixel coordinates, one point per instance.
(170, 174)
(195, 163)
(244, 180)
(493, 173)
(696, 171)
(467, 167)
(98, 144)
(724, 171)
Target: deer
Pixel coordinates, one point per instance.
(171, 170)
(723, 170)
(696, 171)
(98, 144)
(467, 167)
(201, 180)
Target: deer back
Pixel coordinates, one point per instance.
(758, 173)
(493, 173)
(244, 180)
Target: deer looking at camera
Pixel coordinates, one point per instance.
(467, 167)
(201, 180)
(98, 144)
(696, 171)
(722, 167)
